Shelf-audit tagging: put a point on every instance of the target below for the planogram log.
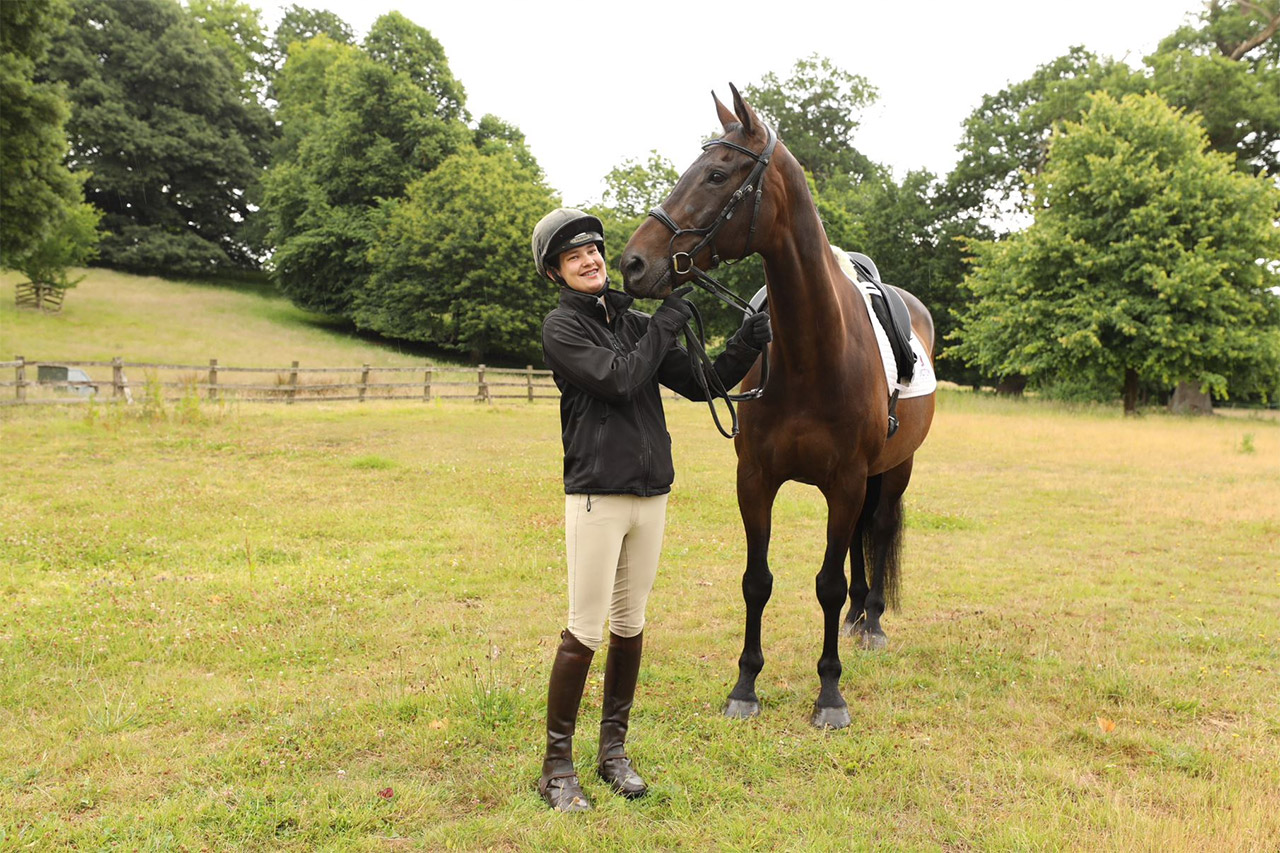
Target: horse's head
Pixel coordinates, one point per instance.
(718, 210)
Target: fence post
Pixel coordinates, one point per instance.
(482, 392)
(364, 381)
(426, 385)
(117, 377)
(20, 377)
(293, 383)
(213, 379)
(528, 374)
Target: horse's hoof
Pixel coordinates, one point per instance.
(739, 709)
(830, 718)
(849, 629)
(877, 642)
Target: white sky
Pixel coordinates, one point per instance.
(594, 84)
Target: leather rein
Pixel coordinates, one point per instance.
(682, 264)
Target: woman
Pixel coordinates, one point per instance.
(608, 361)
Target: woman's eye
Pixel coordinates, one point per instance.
(718, 177)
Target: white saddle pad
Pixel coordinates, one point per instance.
(924, 381)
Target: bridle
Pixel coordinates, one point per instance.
(682, 264)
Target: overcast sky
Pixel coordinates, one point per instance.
(594, 84)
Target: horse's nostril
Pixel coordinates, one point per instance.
(633, 266)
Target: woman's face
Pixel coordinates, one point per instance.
(583, 269)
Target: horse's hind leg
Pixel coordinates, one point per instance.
(755, 502)
(859, 588)
(884, 541)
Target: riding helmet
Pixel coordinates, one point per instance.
(559, 231)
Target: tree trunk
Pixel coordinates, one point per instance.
(1188, 399)
(1130, 391)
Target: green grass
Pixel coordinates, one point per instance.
(148, 319)
(234, 628)
(329, 627)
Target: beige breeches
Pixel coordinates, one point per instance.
(613, 553)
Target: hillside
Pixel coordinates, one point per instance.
(144, 318)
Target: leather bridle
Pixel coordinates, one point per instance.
(682, 264)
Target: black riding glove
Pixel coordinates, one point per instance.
(676, 304)
(756, 331)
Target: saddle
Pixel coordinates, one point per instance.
(892, 313)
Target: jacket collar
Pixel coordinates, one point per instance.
(588, 303)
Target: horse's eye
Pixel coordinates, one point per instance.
(718, 177)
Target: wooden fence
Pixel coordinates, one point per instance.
(61, 382)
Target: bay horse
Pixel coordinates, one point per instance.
(823, 416)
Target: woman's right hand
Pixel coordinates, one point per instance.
(676, 303)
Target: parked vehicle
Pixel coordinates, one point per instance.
(70, 380)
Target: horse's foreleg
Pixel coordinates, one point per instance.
(831, 711)
(885, 533)
(855, 616)
(755, 502)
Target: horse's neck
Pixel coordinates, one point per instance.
(807, 309)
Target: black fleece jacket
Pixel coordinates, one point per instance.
(612, 424)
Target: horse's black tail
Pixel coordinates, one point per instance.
(882, 545)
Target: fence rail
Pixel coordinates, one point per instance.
(70, 381)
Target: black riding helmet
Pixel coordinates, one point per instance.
(559, 231)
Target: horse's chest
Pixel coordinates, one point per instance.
(814, 451)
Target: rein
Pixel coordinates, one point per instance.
(703, 369)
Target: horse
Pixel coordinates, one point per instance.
(823, 418)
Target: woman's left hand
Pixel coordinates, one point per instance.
(756, 331)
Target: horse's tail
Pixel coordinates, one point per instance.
(882, 545)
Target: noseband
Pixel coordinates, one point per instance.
(682, 264)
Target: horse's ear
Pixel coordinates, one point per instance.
(726, 117)
(746, 115)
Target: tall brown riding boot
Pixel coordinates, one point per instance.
(559, 783)
(620, 672)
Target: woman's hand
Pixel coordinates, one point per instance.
(756, 331)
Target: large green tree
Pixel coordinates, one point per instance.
(357, 131)
(451, 266)
(1151, 259)
(172, 149)
(1005, 141)
(299, 25)
(37, 191)
(1228, 70)
(234, 28)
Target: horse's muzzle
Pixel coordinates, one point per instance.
(645, 278)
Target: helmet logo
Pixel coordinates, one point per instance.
(581, 238)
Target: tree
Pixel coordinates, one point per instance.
(234, 29)
(633, 188)
(408, 49)
(1150, 259)
(299, 25)
(1228, 71)
(815, 111)
(357, 131)
(37, 191)
(171, 149)
(451, 265)
(71, 242)
(1006, 139)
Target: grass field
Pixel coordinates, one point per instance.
(142, 318)
(245, 627)
(330, 628)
